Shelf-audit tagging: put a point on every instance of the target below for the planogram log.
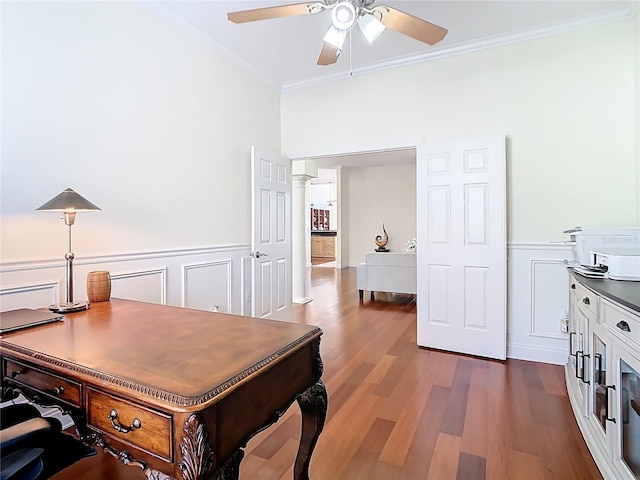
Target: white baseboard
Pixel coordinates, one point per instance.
(537, 354)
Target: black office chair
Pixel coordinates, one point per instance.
(33, 447)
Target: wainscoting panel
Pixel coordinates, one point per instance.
(23, 296)
(195, 278)
(143, 286)
(245, 283)
(207, 286)
(538, 301)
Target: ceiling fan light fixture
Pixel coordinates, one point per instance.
(335, 37)
(343, 15)
(370, 27)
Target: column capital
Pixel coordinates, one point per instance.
(300, 179)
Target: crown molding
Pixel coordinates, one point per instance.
(436, 54)
(461, 49)
(175, 20)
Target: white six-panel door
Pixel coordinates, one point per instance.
(462, 271)
(271, 235)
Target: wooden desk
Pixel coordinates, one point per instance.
(176, 392)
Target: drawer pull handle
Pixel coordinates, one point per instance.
(113, 416)
(573, 286)
(586, 301)
(624, 326)
(58, 391)
(15, 373)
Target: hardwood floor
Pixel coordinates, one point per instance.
(397, 411)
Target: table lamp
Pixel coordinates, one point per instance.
(69, 203)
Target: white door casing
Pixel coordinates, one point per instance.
(462, 259)
(270, 235)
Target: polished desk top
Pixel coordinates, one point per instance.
(158, 351)
(212, 381)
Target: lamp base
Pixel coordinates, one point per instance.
(69, 307)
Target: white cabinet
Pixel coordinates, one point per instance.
(626, 441)
(600, 392)
(581, 317)
(603, 378)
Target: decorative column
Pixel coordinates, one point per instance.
(299, 216)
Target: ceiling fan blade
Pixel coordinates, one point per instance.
(328, 55)
(275, 12)
(407, 24)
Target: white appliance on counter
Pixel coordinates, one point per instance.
(605, 252)
(621, 264)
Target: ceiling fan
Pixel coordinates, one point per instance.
(371, 20)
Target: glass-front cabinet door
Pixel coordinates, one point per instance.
(600, 393)
(580, 359)
(628, 403)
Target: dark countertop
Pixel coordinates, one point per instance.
(621, 291)
(323, 233)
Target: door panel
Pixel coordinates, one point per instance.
(271, 235)
(461, 194)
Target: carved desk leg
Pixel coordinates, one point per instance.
(230, 470)
(313, 405)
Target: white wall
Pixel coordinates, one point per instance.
(568, 105)
(141, 118)
(148, 123)
(380, 195)
(570, 108)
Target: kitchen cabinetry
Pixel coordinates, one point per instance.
(603, 371)
(323, 246)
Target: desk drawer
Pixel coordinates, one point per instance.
(154, 433)
(44, 382)
(622, 322)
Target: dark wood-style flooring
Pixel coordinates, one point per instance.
(398, 412)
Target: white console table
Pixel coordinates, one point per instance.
(603, 371)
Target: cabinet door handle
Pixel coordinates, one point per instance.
(573, 286)
(624, 326)
(586, 301)
(606, 403)
(585, 376)
(578, 353)
(597, 359)
(571, 344)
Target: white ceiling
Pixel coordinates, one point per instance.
(284, 51)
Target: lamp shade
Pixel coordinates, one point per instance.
(335, 37)
(68, 201)
(370, 27)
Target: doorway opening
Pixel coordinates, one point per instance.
(367, 196)
(323, 218)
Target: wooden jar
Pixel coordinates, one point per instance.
(98, 286)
